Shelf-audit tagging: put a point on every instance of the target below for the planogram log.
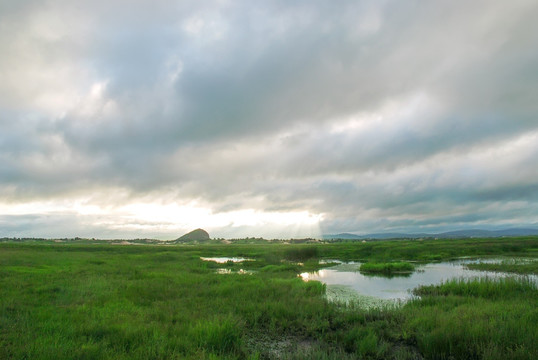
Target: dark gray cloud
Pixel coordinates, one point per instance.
(376, 116)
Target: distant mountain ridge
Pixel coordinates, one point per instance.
(444, 235)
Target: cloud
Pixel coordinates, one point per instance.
(370, 115)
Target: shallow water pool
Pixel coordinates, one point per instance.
(398, 287)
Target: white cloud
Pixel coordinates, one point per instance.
(361, 116)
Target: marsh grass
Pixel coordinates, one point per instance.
(151, 302)
(429, 250)
(387, 269)
(516, 266)
(490, 288)
(145, 303)
(301, 253)
(475, 319)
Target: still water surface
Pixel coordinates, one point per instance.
(399, 287)
(222, 260)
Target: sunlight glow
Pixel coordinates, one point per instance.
(174, 218)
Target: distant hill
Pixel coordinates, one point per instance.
(489, 233)
(444, 235)
(349, 236)
(199, 235)
(346, 236)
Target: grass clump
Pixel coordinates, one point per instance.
(391, 268)
(217, 336)
(301, 253)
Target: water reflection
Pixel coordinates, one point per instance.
(222, 260)
(388, 276)
(229, 271)
(397, 288)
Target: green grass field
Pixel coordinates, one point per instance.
(98, 301)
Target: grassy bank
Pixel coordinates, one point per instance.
(164, 302)
(516, 266)
(431, 250)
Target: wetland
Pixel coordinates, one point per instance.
(100, 301)
(398, 285)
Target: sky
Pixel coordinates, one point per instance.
(279, 119)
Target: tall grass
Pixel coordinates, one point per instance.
(146, 302)
(151, 302)
(301, 253)
(491, 288)
(390, 268)
(475, 319)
